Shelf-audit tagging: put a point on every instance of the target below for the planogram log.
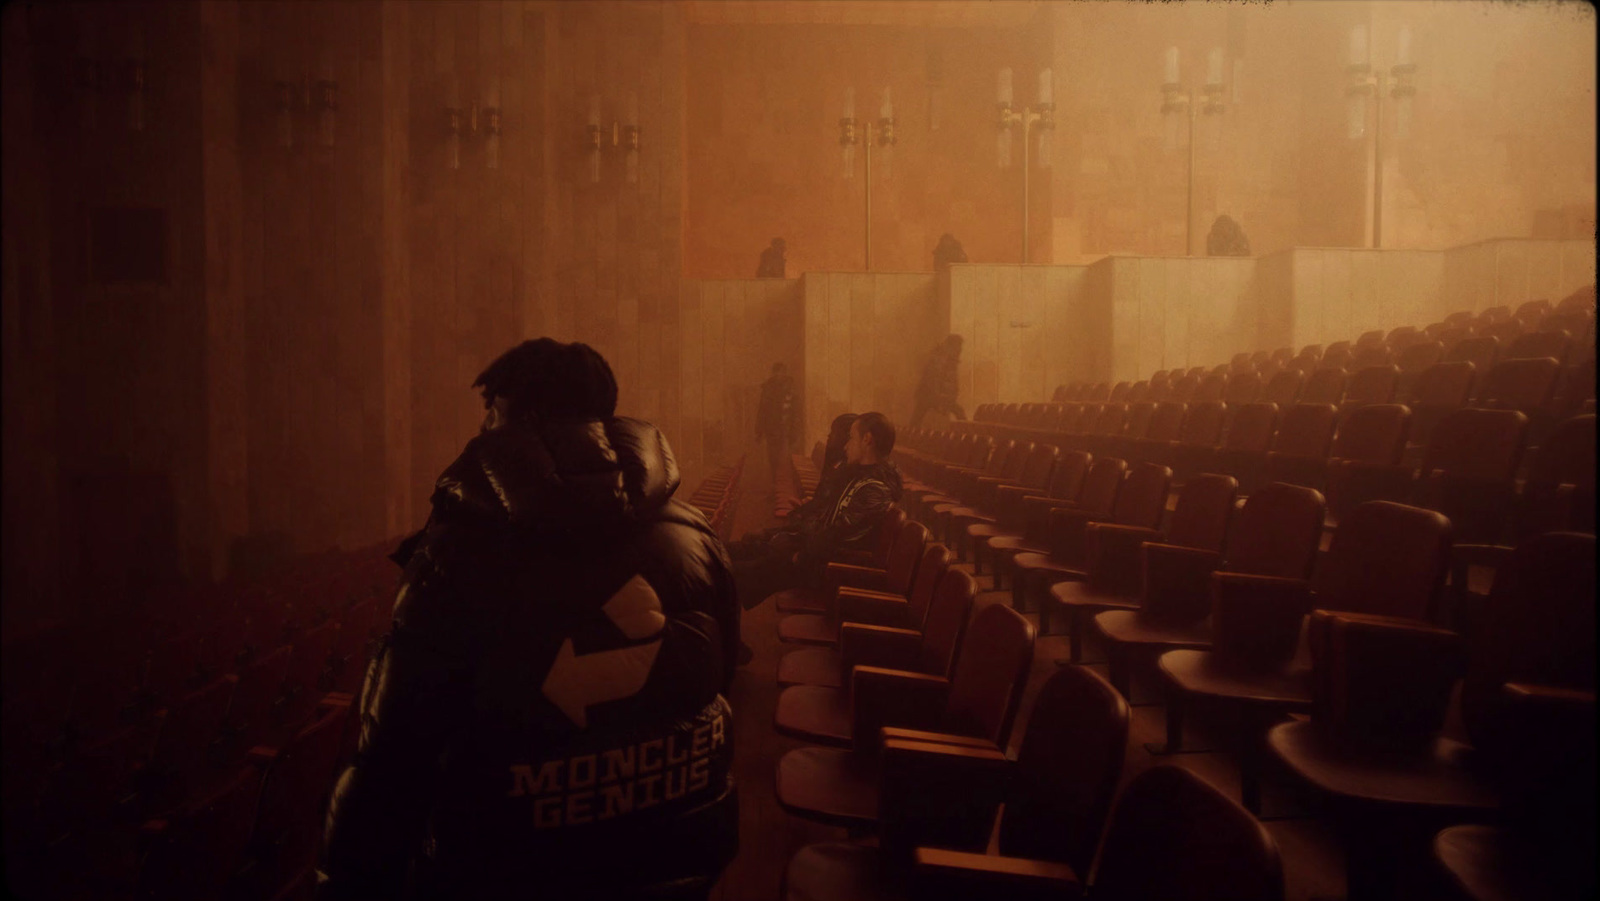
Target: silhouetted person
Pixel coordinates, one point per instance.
(1226, 239)
(949, 251)
(772, 263)
(847, 514)
(778, 417)
(940, 384)
(545, 717)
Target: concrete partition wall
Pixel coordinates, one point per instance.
(1024, 329)
(1508, 271)
(1340, 293)
(732, 331)
(1178, 312)
(866, 336)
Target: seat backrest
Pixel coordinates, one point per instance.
(1277, 532)
(946, 622)
(1323, 386)
(1200, 518)
(1211, 387)
(1173, 836)
(1137, 423)
(1202, 424)
(1370, 339)
(1142, 499)
(1253, 427)
(1243, 388)
(990, 674)
(1306, 430)
(1481, 445)
(1460, 317)
(904, 555)
(1100, 486)
(1532, 310)
(293, 789)
(1419, 356)
(1066, 480)
(1283, 354)
(1372, 385)
(1035, 469)
(1494, 314)
(1338, 356)
(1183, 388)
(1372, 434)
(1243, 361)
(888, 531)
(1567, 456)
(1109, 420)
(1574, 324)
(1166, 422)
(1138, 391)
(1537, 626)
(1160, 376)
(1446, 384)
(1480, 350)
(1450, 336)
(1284, 389)
(1000, 460)
(1198, 372)
(1366, 355)
(1525, 385)
(979, 452)
(935, 559)
(1119, 392)
(1387, 559)
(1579, 301)
(1071, 758)
(1400, 338)
(1099, 393)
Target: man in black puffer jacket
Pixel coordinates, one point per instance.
(545, 718)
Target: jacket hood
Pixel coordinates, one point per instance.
(572, 477)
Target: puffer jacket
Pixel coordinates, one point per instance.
(848, 516)
(545, 717)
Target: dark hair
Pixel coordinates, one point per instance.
(779, 367)
(880, 428)
(551, 380)
(838, 434)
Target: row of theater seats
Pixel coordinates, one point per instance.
(188, 752)
(1233, 606)
(909, 700)
(793, 483)
(717, 497)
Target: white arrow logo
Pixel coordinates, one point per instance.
(575, 682)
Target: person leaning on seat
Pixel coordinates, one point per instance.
(546, 717)
(849, 506)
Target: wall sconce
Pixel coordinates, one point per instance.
(473, 119)
(1366, 80)
(491, 125)
(134, 76)
(327, 99)
(867, 133)
(1176, 101)
(1041, 117)
(625, 135)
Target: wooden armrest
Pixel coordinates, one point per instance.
(861, 644)
(887, 697)
(937, 793)
(1258, 618)
(876, 608)
(900, 733)
(1548, 693)
(843, 575)
(942, 875)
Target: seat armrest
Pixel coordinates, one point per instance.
(842, 575)
(1257, 619)
(933, 792)
(943, 875)
(1177, 580)
(874, 607)
(861, 644)
(900, 733)
(888, 697)
(1112, 556)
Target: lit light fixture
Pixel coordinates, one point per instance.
(625, 135)
(327, 99)
(1038, 118)
(1367, 80)
(867, 133)
(1179, 104)
(135, 72)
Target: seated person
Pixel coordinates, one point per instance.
(755, 544)
(849, 505)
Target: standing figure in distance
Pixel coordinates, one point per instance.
(941, 382)
(772, 262)
(778, 417)
(949, 251)
(1227, 239)
(560, 619)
